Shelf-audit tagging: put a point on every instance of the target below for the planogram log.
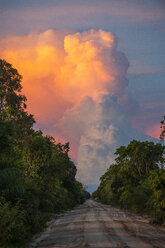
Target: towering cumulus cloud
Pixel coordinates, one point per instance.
(75, 87)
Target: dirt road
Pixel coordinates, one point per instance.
(96, 225)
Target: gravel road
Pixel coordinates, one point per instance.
(96, 225)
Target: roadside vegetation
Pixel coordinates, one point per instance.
(37, 176)
(136, 181)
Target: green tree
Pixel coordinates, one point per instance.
(6, 133)
(141, 157)
(11, 99)
(136, 181)
(156, 203)
(37, 176)
(12, 102)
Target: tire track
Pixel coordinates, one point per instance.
(99, 226)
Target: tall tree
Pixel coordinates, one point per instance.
(37, 176)
(11, 99)
(141, 157)
(13, 102)
(136, 181)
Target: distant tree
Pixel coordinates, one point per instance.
(136, 180)
(141, 157)
(162, 135)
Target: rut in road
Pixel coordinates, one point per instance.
(96, 225)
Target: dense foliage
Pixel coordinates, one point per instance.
(37, 177)
(136, 181)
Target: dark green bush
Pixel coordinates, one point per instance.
(13, 222)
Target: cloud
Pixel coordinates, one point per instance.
(107, 129)
(39, 58)
(75, 84)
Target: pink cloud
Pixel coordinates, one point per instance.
(75, 86)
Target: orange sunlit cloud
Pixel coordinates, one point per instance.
(38, 60)
(69, 80)
(53, 75)
(59, 69)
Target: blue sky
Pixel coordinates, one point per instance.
(139, 26)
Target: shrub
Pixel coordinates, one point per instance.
(12, 224)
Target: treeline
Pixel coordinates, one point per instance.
(37, 177)
(136, 181)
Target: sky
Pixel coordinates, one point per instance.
(93, 72)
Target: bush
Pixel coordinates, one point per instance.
(12, 224)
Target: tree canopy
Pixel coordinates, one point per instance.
(37, 176)
(136, 181)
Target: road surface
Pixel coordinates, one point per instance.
(96, 225)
